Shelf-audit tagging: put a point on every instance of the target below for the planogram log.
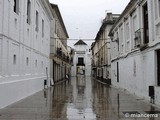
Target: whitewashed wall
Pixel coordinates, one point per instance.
(19, 38)
(137, 68)
(87, 59)
(136, 73)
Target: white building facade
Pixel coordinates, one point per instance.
(82, 59)
(101, 50)
(24, 48)
(135, 49)
(60, 65)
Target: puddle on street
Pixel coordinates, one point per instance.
(79, 99)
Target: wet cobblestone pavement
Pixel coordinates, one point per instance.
(80, 99)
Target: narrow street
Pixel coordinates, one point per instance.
(45, 42)
(79, 99)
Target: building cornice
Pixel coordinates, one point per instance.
(47, 8)
(126, 10)
(106, 22)
(56, 8)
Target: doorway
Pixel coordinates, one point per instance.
(117, 72)
(158, 67)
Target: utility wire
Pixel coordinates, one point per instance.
(85, 39)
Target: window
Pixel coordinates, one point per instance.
(14, 59)
(158, 67)
(137, 38)
(127, 31)
(15, 23)
(58, 34)
(42, 64)
(127, 45)
(121, 40)
(16, 6)
(136, 34)
(156, 10)
(35, 63)
(127, 36)
(159, 7)
(81, 61)
(134, 23)
(27, 61)
(121, 34)
(117, 39)
(37, 20)
(28, 12)
(117, 72)
(42, 28)
(145, 21)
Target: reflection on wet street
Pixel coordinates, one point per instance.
(80, 99)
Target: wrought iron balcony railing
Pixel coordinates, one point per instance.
(138, 37)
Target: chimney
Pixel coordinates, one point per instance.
(109, 16)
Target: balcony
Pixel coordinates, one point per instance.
(61, 55)
(59, 52)
(139, 39)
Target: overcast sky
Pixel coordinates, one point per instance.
(82, 18)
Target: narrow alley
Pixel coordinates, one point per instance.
(82, 98)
